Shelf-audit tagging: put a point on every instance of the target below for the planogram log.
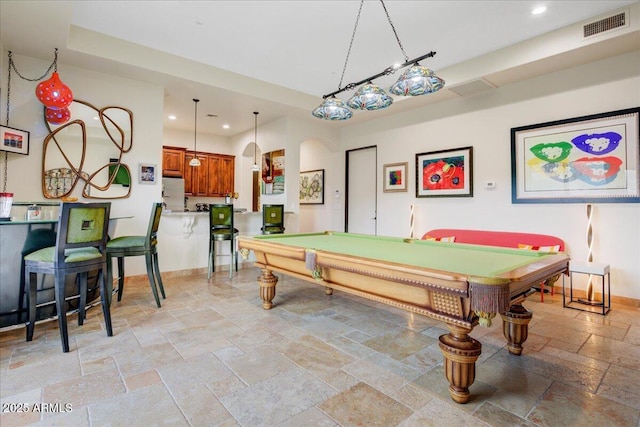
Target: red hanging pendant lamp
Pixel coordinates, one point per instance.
(54, 93)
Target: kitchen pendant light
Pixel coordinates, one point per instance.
(195, 161)
(255, 166)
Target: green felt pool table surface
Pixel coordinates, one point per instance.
(473, 260)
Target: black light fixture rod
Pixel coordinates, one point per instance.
(195, 129)
(385, 72)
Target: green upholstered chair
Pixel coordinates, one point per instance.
(81, 247)
(272, 219)
(146, 245)
(221, 229)
(36, 239)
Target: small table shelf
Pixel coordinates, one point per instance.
(585, 304)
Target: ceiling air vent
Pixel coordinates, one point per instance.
(606, 24)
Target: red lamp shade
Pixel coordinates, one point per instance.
(57, 116)
(54, 93)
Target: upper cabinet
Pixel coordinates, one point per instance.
(213, 178)
(173, 161)
(196, 178)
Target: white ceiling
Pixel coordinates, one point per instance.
(275, 57)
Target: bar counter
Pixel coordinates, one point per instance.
(13, 234)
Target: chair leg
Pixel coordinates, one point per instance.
(105, 296)
(152, 281)
(61, 310)
(156, 268)
(541, 291)
(82, 303)
(231, 259)
(211, 268)
(31, 281)
(120, 277)
(109, 279)
(21, 292)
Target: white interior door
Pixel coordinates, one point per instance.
(361, 200)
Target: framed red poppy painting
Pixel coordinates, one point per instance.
(445, 173)
(588, 159)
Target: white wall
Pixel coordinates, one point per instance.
(484, 122)
(101, 90)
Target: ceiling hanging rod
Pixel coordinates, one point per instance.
(385, 72)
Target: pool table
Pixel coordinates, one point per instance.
(460, 284)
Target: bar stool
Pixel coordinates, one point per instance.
(272, 219)
(147, 245)
(81, 247)
(221, 229)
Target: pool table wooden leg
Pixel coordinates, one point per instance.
(267, 281)
(460, 354)
(515, 326)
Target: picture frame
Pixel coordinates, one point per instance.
(587, 159)
(445, 173)
(395, 177)
(14, 140)
(312, 187)
(147, 173)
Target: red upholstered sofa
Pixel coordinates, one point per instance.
(506, 239)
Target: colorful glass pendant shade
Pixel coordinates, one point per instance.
(370, 97)
(332, 108)
(417, 80)
(57, 116)
(53, 93)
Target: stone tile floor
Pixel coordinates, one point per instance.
(212, 356)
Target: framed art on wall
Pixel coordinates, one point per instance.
(312, 187)
(445, 173)
(14, 140)
(579, 160)
(395, 177)
(146, 173)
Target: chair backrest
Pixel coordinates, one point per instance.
(82, 225)
(220, 217)
(272, 219)
(154, 225)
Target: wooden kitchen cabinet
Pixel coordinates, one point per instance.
(196, 178)
(173, 161)
(213, 178)
(221, 175)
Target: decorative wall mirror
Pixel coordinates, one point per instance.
(88, 149)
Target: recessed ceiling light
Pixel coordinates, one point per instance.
(538, 10)
(225, 126)
(172, 117)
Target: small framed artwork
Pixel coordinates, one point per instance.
(586, 159)
(445, 173)
(395, 177)
(312, 187)
(146, 173)
(14, 140)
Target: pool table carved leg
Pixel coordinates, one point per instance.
(267, 281)
(515, 326)
(460, 354)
